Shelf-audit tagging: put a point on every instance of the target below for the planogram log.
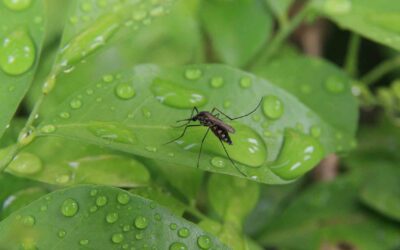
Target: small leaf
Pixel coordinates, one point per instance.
(376, 20)
(21, 38)
(64, 162)
(98, 217)
(141, 123)
(227, 24)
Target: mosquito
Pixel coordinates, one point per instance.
(212, 121)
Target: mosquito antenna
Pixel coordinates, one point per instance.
(251, 112)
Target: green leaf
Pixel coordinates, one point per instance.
(228, 23)
(21, 38)
(280, 9)
(325, 90)
(329, 215)
(376, 20)
(139, 107)
(232, 198)
(65, 162)
(97, 217)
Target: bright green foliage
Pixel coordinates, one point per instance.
(21, 37)
(97, 217)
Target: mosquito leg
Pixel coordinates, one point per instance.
(234, 118)
(233, 163)
(191, 115)
(201, 147)
(183, 133)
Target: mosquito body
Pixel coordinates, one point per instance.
(212, 121)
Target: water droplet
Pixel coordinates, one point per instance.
(123, 198)
(17, 53)
(101, 3)
(157, 11)
(65, 115)
(84, 242)
(117, 238)
(176, 96)
(141, 222)
(73, 20)
(26, 138)
(193, 74)
(299, 154)
(337, 7)
(89, 91)
(173, 226)
(43, 208)
(93, 192)
(101, 201)
(217, 82)
(69, 207)
(245, 82)
(108, 78)
(177, 246)
(183, 232)
(28, 220)
(204, 242)
(63, 178)
(273, 107)
(315, 131)
(25, 164)
(218, 162)
(334, 85)
(47, 129)
(75, 103)
(124, 91)
(112, 217)
(139, 15)
(17, 5)
(113, 132)
(151, 149)
(227, 104)
(256, 118)
(86, 7)
(139, 236)
(61, 234)
(146, 112)
(157, 217)
(126, 228)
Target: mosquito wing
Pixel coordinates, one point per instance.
(220, 123)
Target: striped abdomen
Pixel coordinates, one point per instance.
(221, 133)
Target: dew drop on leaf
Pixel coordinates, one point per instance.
(117, 238)
(176, 96)
(61, 234)
(193, 74)
(75, 103)
(65, 115)
(227, 104)
(17, 5)
(146, 112)
(178, 246)
(272, 107)
(299, 154)
(245, 82)
(108, 78)
(123, 198)
(218, 162)
(124, 91)
(101, 201)
(86, 7)
(69, 207)
(315, 131)
(217, 82)
(334, 85)
(139, 15)
(204, 242)
(151, 149)
(26, 164)
(17, 52)
(47, 129)
(84, 242)
(28, 220)
(112, 217)
(183, 232)
(157, 11)
(141, 222)
(173, 226)
(93, 192)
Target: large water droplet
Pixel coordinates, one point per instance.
(299, 154)
(101, 201)
(193, 74)
(26, 164)
(113, 132)
(17, 53)
(176, 96)
(17, 5)
(141, 222)
(177, 246)
(69, 207)
(183, 232)
(112, 217)
(204, 242)
(124, 91)
(117, 238)
(335, 85)
(123, 198)
(273, 107)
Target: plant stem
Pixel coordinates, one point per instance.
(381, 70)
(196, 212)
(282, 35)
(351, 63)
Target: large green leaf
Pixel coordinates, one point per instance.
(21, 38)
(327, 216)
(139, 107)
(376, 20)
(237, 29)
(97, 217)
(325, 90)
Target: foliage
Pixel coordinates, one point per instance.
(90, 97)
